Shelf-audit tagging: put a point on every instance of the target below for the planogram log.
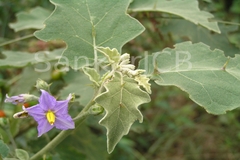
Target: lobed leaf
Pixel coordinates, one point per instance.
(120, 101)
(88, 24)
(93, 75)
(30, 20)
(112, 54)
(187, 9)
(211, 79)
(143, 81)
(177, 28)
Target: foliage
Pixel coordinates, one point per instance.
(80, 48)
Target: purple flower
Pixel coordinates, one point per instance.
(51, 113)
(15, 99)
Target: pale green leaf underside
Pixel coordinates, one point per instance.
(21, 59)
(30, 20)
(187, 9)
(112, 54)
(120, 101)
(143, 81)
(93, 75)
(88, 24)
(200, 73)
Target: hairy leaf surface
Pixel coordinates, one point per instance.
(93, 75)
(204, 74)
(88, 24)
(120, 101)
(187, 9)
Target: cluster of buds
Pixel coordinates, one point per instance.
(127, 68)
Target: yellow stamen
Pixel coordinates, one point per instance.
(50, 117)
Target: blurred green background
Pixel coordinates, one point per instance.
(174, 127)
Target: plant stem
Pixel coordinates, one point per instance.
(16, 40)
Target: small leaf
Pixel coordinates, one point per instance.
(21, 59)
(92, 74)
(22, 154)
(211, 79)
(112, 54)
(120, 101)
(4, 150)
(30, 20)
(88, 24)
(143, 81)
(187, 9)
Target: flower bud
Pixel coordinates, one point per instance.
(22, 114)
(124, 56)
(71, 97)
(96, 109)
(129, 66)
(21, 98)
(40, 84)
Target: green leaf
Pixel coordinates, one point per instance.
(187, 9)
(22, 154)
(204, 74)
(21, 59)
(30, 20)
(93, 75)
(4, 150)
(120, 101)
(177, 28)
(79, 84)
(112, 54)
(88, 24)
(143, 81)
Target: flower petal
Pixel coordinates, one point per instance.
(43, 126)
(61, 107)
(36, 112)
(47, 101)
(64, 122)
